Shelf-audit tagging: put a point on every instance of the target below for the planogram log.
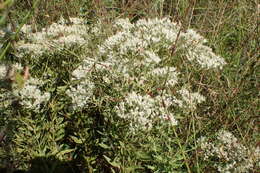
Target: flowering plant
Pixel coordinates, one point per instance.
(129, 78)
(136, 61)
(232, 155)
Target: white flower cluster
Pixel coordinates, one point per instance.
(81, 92)
(123, 23)
(190, 100)
(87, 66)
(205, 56)
(169, 72)
(142, 111)
(196, 50)
(30, 95)
(235, 157)
(2, 71)
(53, 37)
(137, 38)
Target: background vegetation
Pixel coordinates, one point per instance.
(97, 144)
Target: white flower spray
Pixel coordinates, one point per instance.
(56, 36)
(30, 95)
(233, 156)
(136, 46)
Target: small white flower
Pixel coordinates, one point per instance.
(151, 57)
(124, 23)
(81, 94)
(31, 96)
(2, 71)
(191, 99)
(53, 37)
(169, 72)
(71, 39)
(236, 157)
(142, 111)
(204, 56)
(26, 29)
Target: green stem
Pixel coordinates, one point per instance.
(183, 153)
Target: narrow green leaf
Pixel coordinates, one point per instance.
(104, 146)
(117, 165)
(76, 140)
(107, 158)
(63, 152)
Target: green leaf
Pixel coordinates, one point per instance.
(143, 156)
(20, 150)
(117, 165)
(151, 167)
(63, 152)
(76, 140)
(104, 146)
(132, 168)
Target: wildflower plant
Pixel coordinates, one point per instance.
(138, 55)
(120, 90)
(128, 85)
(228, 153)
